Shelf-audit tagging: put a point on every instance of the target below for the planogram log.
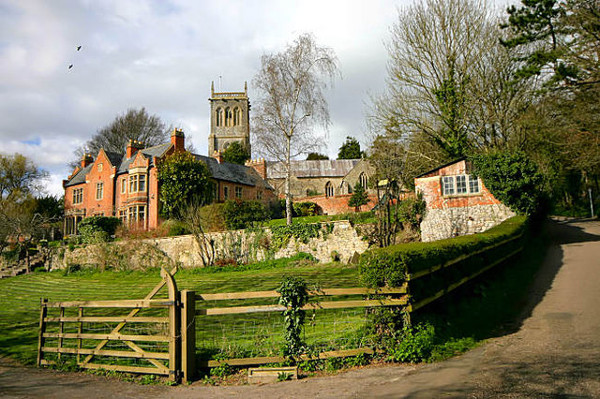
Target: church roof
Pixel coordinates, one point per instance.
(313, 168)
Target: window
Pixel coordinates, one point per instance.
(123, 185)
(329, 189)
(219, 117)
(473, 184)
(237, 116)
(460, 185)
(228, 117)
(137, 183)
(100, 167)
(142, 183)
(99, 191)
(238, 192)
(258, 194)
(362, 178)
(135, 214)
(78, 196)
(448, 185)
(123, 216)
(225, 192)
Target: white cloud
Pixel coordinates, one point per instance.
(163, 55)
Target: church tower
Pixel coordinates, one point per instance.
(229, 119)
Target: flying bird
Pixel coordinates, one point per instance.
(70, 66)
(78, 48)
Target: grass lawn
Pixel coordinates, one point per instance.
(360, 217)
(20, 298)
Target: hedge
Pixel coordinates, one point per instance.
(390, 266)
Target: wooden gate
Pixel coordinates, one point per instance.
(136, 336)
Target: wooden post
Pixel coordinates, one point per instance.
(188, 334)
(174, 313)
(61, 330)
(79, 331)
(43, 313)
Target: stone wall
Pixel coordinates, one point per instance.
(451, 222)
(240, 245)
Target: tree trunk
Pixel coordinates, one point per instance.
(288, 185)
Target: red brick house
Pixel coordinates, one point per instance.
(458, 203)
(125, 185)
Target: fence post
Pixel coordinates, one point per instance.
(79, 332)
(61, 330)
(43, 313)
(188, 334)
(174, 313)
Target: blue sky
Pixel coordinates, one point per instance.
(163, 55)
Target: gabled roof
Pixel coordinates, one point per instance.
(233, 172)
(441, 167)
(79, 176)
(220, 171)
(313, 168)
(114, 158)
(150, 152)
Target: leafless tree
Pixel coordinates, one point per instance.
(135, 124)
(194, 221)
(449, 82)
(291, 103)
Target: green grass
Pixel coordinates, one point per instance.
(20, 299)
(360, 217)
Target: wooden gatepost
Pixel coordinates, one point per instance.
(149, 344)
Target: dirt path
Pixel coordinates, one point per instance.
(554, 354)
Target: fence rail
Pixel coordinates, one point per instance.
(64, 341)
(128, 346)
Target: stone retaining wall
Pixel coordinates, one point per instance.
(239, 245)
(451, 222)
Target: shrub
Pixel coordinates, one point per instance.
(389, 266)
(98, 228)
(513, 179)
(306, 209)
(415, 344)
(240, 214)
(174, 227)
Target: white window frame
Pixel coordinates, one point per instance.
(460, 185)
(77, 196)
(239, 192)
(99, 191)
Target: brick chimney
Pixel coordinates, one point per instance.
(86, 159)
(218, 156)
(259, 165)
(178, 139)
(133, 146)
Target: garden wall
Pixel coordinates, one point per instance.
(242, 246)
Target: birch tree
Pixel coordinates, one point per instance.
(291, 103)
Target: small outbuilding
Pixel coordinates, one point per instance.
(458, 203)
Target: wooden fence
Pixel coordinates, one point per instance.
(395, 297)
(70, 334)
(184, 309)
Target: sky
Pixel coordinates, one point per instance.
(163, 55)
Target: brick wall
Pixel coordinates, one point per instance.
(454, 215)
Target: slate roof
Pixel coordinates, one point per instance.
(233, 172)
(79, 177)
(441, 167)
(313, 168)
(221, 171)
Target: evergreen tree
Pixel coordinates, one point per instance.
(359, 197)
(350, 149)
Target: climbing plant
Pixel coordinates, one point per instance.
(294, 296)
